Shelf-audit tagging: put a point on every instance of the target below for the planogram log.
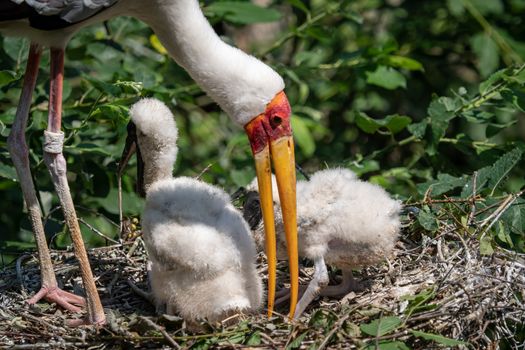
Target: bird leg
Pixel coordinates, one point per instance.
(318, 282)
(17, 144)
(56, 163)
(347, 285)
(283, 295)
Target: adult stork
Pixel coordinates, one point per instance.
(249, 91)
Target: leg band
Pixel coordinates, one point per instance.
(53, 142)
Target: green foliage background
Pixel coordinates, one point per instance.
(409, 94)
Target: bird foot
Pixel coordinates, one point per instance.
(86, 321)
(66, 300)
(283, 295)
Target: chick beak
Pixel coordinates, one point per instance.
(270, 137)
(131, 147)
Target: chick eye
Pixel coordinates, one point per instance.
(275, 121)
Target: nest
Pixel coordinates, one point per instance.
(437, 290)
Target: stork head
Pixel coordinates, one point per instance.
(270, 136)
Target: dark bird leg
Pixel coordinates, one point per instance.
(56, 163)
(347, 285)
(18, 149)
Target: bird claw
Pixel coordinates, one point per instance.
(66, 300)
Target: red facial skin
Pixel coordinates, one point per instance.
(271, 125)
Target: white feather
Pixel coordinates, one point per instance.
(201, 251)
(241, 84)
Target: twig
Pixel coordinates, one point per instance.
(204, 171)
(161, 330)
(40, 320)
(19, 274)
(498, 212)
(97, 231)
(472, 199)
(337, 326)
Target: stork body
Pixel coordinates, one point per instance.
(245, 88)
(342, 221)
(201, 251)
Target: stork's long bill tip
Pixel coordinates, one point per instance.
(270, 135)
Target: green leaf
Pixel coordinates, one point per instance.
(303, 136)
(388, 345)
(492, 176)
(236, 338)
(242, 12)
(442, 109)
(254, 339)
(111, 111)
(485, 246)
(438, 338)
(493, 128)
(514, 217)
(443, 184)
(427, 220)
(366, 166)
(515, 97)
(132, 203)
(8, 172)
(103, 87)
(419, 302)
(503, 166)
(16, 48)
(395, 123)
(299, 4)
(365, 123)
(381, 326)
(418, 129)
(487, 52)
(494, 78)
(296, 343)
(404, 62)
(7, 76)
(503, 234)
(386, 77)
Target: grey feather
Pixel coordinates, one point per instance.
(71, 11)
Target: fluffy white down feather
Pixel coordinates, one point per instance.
(349, 222)
(203, 257)
(157, 137)
(201, 251)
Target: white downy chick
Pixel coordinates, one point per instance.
(201, 251)
(341, 221)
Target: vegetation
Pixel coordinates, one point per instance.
(424, 98)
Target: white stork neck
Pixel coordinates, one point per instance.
(241, 84)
